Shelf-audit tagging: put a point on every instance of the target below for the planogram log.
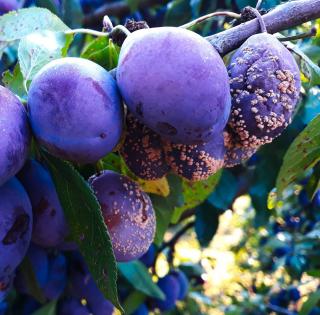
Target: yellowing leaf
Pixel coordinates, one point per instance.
(158, 187)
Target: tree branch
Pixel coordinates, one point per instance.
(284, 16)
(118, 9)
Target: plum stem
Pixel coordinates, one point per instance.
(312, 32)
(258, 5)
(118, 28)
(209, 16)
(260, 19)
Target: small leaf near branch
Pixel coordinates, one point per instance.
(86, 223)
(303, 153)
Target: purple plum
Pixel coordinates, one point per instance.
(75, 110)
(142, 151)
(71, 306)
(15, 135)
(176, 83)
(8, 5)
(265, 86)
(15, 226)
(128, 214)
(49, 224)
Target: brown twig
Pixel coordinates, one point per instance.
(284, 16)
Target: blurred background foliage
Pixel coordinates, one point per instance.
(245, 249)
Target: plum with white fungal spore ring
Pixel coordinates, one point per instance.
(265, 86)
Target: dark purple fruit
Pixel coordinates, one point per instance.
(142, 151)
(265, 86)
(15, 135)
(128, 214)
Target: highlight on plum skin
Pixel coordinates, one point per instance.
(128, 214)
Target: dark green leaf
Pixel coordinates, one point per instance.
(29, 277)
(178, 13)
(133, 301)
(38, 49)
(310, 303)
(303, 153)
(48, 309)
(139, 277)
(207, 222)
(87, 226)
(224, 192)
(48, 4)
(164, 206)
(194, 193)
(72, 13)
(17, 25)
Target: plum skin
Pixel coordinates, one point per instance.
(265, 86)
(15, 226)
(15, 135)
(143, 151)
(75, 110)
(128, 214)
(196, 162)
(49, 223)
(170, 286)
(8, 5)
(174, 82)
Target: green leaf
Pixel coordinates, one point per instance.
(302, 154)
(194, 193)
(134, 4)
(16, 25)
(133, 301)
(38, 49)
(139, 277)
(207, 223)
(309, 68)
(29, 276)
(48, 4)
(48, 309)
(103, 52)
(14, 82)
(164, 207)
(72, 13)
(225, 191)
(179, 12)
(87, 226)
(310, 303)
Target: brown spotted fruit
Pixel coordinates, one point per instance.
(196, 162)
(235, 151)
(142, 151)
(265, 85)
(128, 214)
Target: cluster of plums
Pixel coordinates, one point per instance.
(182, 114)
